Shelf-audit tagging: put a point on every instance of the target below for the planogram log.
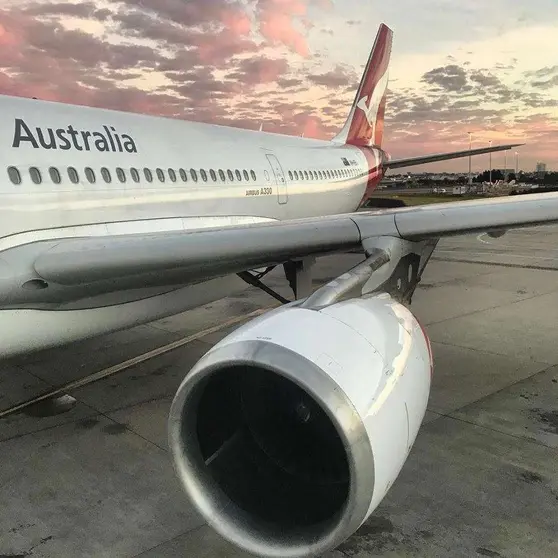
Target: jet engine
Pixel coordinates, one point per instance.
(288, 433)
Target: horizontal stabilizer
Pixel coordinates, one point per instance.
(411, 161)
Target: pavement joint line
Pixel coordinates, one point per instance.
(125, 365)
(549, 364)
(192, 530)
(466, 314)
(134, 432)
(498, 264)
(451, 414)
(491, 429)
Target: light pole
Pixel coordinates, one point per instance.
(470, 179)
(505, 164)
(516, 165)
(490, 162)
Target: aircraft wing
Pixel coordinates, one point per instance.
(171, 258)
(411, 161)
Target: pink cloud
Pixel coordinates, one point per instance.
(276, 23)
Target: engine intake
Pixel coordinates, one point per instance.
(287, 434)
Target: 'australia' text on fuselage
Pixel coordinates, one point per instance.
(57, 139)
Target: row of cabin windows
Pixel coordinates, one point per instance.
(135, 174)
(321, 175)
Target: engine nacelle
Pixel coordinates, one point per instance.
(288, 433)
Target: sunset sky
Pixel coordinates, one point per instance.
(489, 67)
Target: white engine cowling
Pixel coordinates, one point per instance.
(288, 433)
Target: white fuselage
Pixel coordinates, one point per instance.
(281, 177)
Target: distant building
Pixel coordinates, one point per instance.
(541, 169)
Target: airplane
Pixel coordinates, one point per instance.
(289, 432)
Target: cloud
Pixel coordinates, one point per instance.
(252, 71)
(545, 84)
(449, 78)
(547, 71)
(276, 23)
(485, 80)
(337, 77)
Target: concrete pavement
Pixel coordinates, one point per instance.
(481, 480)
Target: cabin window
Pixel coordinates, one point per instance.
(320, 176)
(222, 175)
(73, 175)
(306, 175)
(290, 175)
(296, 175)
(14, 175)
(245, 174)
(203, 174)
(121, 175)
(183, 175)
(301, 175)
(172, 175)
(105, 173)
(194, 175)
(230, 175)
(315, 175)
(35, 174)
(90, 175)
(238, 175)
(134, 174)
(213, 175)
(160, 174)
(253, 175)
(148, 174)
(54, 175)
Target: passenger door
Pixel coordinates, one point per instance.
(280, 181)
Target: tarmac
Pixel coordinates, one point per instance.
(481, 479)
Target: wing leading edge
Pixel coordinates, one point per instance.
(411, 161)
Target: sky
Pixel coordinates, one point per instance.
(489, 67)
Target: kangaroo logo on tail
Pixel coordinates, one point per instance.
(373, 108)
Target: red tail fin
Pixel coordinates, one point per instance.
(365, 124)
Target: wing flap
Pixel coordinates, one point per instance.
(412, 161)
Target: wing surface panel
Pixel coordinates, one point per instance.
(195, 256)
